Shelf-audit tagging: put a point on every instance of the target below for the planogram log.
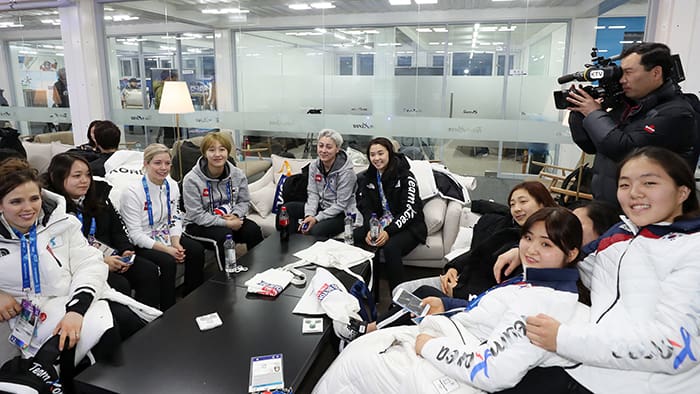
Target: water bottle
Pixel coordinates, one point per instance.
(374, 228)
(230, 255)
(284, 224)
(347, 234)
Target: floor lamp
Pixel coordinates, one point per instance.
(176, 100)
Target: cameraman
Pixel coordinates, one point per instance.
(653, 112)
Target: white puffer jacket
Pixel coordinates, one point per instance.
(484, 348)
(504, 354)
(644, 331)
(68, 265)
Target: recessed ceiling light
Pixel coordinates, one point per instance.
(424, 30)
(322, 5)
(440, 30)
(617, 27)
(300, 7)
(426, 1)
(224, 11)
(400, 2)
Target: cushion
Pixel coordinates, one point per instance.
(434, 212)
(278, 167)
(58, 147)
(265, 180)
(38, 155)
(261, 200)
(463, 241)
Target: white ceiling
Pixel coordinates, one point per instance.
(186, 14)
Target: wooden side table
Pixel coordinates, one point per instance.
(253, 150)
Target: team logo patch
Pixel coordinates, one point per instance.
(145, 206)
(650, 128)
(318, 178)
(205, 192)
(4, 252)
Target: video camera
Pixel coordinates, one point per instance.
(607, 74)
(602, 70)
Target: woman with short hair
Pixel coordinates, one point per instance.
(217, 199)
(330, 189)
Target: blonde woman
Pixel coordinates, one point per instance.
(154, 223)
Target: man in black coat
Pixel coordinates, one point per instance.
(654, 112)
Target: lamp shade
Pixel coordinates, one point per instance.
(175, 98)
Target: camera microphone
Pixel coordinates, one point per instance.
(592, 74)
(570, 77)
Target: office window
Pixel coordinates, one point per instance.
(404, 61)
(345, 65)
(151, 63)
(208, 66)
(472, 63)
(190, 63)
(365, 64)
(501, 64)
(439, 61)
(126, 67)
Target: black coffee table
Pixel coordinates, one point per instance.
(171, 355)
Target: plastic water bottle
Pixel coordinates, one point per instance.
(347, 234)
(230, 265)
(374, 228)
(284, 224)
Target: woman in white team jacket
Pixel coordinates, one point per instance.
(45, 260)
(643, 335)
(150, 210)
(482, 348)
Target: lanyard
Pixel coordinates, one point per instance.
(473, 303)
(30, 256)
(149, 204)
(382, 196)
(229, 193)
(328, 186)
(93, 226)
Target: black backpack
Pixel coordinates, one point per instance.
(295, 186)
(9, 139)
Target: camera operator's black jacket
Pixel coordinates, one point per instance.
(402, 195)
(663, 118)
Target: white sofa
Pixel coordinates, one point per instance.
(445, 219)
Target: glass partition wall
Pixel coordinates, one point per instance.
(469, 85)
(429, 87)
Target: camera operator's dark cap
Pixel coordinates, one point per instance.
(133, 80)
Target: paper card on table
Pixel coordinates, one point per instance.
(266, 373)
